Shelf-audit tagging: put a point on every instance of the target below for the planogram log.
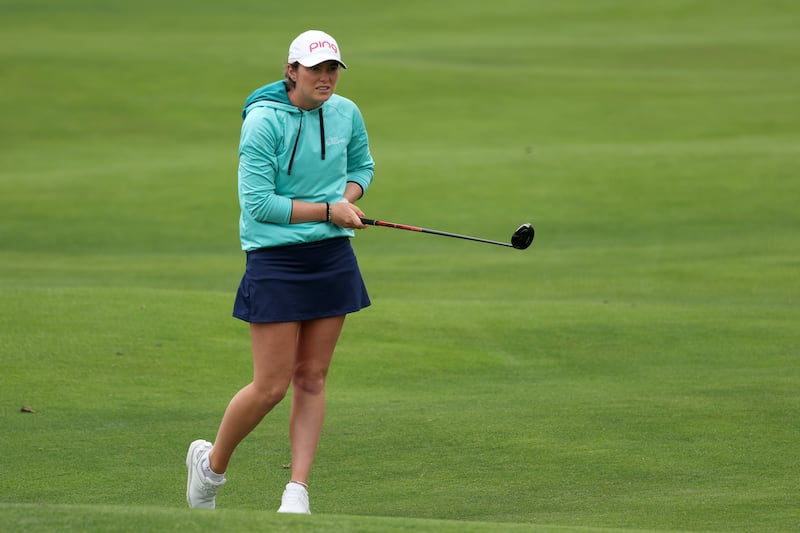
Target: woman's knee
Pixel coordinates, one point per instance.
(270, 396)
(309, 380)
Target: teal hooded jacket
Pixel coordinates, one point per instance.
(288, 153)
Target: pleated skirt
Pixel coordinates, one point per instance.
(301, 282)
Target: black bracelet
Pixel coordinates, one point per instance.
(328, 208)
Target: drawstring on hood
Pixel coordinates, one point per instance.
(294, 150)
(277, 92)
(297, 139)
(321, 134)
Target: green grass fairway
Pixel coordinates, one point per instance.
(636, 369)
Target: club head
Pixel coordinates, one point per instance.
(523, 237)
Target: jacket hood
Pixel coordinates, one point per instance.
(276, 92)
(272, 92)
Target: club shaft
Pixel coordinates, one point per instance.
(373, 222)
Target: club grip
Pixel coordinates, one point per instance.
(369, 221)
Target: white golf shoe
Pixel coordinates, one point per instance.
(201, 492)
(295, 499)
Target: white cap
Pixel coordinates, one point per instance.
(313, 47)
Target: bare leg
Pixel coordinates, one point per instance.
(275, 349)
(316, 342)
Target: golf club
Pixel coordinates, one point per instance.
(521, 239)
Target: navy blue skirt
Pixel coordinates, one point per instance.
(301, 282)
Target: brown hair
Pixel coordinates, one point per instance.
(290, 84)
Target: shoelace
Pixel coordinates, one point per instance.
(208, 489)
(297, 495)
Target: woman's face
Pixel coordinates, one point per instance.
(314, 85)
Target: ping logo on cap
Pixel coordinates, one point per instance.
(322, 44)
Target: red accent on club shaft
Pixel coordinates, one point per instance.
(397, 226)
(374, 222)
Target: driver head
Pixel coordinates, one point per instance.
(523, 237)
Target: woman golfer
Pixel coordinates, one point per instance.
(304, 160)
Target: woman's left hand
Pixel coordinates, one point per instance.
(347, 215)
